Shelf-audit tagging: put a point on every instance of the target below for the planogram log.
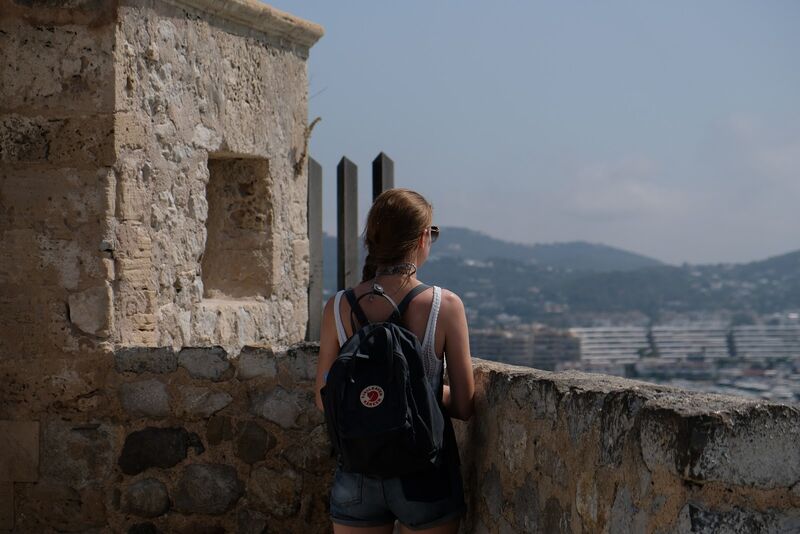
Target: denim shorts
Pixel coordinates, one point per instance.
(418, 501)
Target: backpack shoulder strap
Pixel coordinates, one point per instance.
(355, 308)
(409, 297)
(337, 315)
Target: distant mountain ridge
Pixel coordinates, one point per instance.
(556, 283)
(576, 255)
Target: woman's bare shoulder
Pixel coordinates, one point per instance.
(451, 302)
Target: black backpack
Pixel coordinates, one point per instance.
(383, 417)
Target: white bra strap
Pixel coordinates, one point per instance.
(338, 316)
(430, 330)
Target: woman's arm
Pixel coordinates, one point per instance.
(328, 349)
(458, 399)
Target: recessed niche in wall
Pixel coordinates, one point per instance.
(238, 259)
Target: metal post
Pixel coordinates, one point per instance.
(314, 250)
(347, 227)
(382, 174)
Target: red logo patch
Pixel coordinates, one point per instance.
(372, 396)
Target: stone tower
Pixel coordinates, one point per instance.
(152, 224)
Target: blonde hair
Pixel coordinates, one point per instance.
(394, 224)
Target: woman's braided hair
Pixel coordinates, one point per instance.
(394, 224)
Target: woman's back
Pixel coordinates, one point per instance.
(420, 317)
(398, 237)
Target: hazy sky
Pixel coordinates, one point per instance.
(670, 129)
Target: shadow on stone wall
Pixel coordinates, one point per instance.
(578, 452)
(150, 440)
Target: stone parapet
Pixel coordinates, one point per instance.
(199, 438)
(261, 17)
(578, 452)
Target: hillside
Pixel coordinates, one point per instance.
(570, 281)
(577, 255)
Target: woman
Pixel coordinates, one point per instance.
(398, 238)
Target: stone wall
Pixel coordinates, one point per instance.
(577, 452)
(153, 440)
(156, 440)
(116, 121)
(152, 224)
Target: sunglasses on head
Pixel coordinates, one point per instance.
(434, 233)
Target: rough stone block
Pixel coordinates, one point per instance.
(751, 446)
(219, 429)
(147, 398)
(22, 139)
(254, 442)
(754, 447)
(736, 520)
(251, 522)
(19, 451)
(256, 362)
(144, 528)
(207, 363)
(55, 507)
(207, 489)
(156, 447)
(78, 454)
(160, 360)
(314, 455)
(146, 498)
(6, 505)
(203, 402)
(278, 405)
(625, 517)
(300, 361)
(91, 310)
(276, 492)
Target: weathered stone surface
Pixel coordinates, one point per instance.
(254, 442)
(757, 447)
(207, 489)
(19, 441)
(200, 527)
(625, 517)
(219, 429)
(315, 454)
(735, 520)
(145, 498)
(251, 522)
(91, 310)
(147, 398)
(78, 454)
(609, 454)
(156, 447)
(6, 505)
(203, 402)
(238, 226)
(277, 405)
(207, 363)
(616, 420)
(143, 528)
(51, 506)
(274, 492)
(300, 361)
(256, 362)
(158, 360)
(526, 506)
